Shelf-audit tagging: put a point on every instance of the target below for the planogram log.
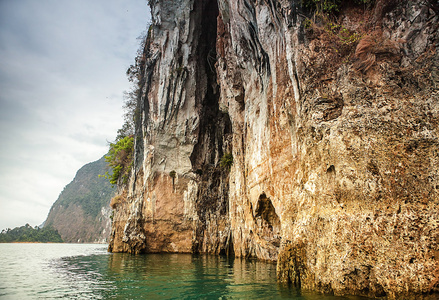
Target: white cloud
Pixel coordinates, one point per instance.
(62, 76)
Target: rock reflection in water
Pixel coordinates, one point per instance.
(183, 275)
(186, 276)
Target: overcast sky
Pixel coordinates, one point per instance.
(62, 76)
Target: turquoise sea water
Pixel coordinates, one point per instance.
(78, 271)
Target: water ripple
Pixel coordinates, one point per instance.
(72, 271)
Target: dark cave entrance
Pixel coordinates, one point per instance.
(266, 214)
(267, 222)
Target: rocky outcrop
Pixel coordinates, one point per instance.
(333, 129)
(81, 214)
(182, 130)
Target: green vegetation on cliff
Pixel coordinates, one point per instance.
(120, 158)
(120, 155)
(87, 189)
(331, 6)
(81, 213)
(27, 233)
(226, 161)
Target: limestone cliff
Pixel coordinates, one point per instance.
(81, 214)
(333, 127)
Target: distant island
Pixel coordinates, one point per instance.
(29, 234)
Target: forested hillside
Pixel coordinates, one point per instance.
(27, 233)
(82, 213)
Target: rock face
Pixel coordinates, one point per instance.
(333, 128)
(81, 214)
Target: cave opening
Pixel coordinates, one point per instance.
(331, 170)
(266, 211)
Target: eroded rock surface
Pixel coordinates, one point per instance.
(335, 169)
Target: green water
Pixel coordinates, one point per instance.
(77, 271)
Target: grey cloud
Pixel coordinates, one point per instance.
(62, 75)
